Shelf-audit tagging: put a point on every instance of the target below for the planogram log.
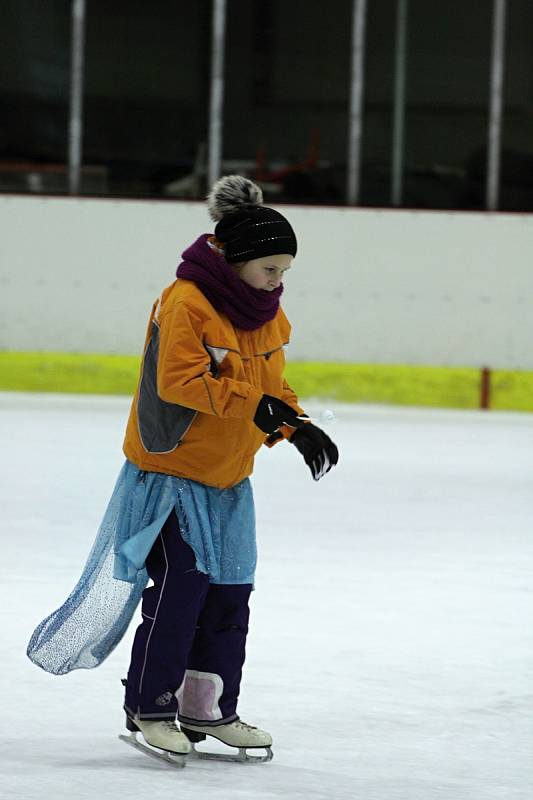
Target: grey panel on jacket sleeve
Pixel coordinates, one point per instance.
(162, 425)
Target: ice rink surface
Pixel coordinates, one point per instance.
(390, 651)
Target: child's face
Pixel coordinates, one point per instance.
(266, 272)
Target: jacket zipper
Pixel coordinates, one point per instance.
(267, 355)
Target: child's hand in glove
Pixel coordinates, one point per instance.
(319, 452)
(272, 413)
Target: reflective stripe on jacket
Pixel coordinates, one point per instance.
(200, 383)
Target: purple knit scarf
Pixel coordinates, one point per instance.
(246, 307)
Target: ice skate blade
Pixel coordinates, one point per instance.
(242, 757)
(173, 759)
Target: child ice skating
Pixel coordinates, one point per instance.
(211, 392)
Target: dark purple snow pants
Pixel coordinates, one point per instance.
(189, 651)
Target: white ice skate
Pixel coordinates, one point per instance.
(235, 734)
(162, 740)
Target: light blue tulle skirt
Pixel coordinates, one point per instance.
(219, 525)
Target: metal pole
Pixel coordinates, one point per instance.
(76, 96)
(398, 135)
(356, 102)
(217, 92)
(496, 105)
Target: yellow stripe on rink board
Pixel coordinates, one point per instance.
(394, 384)
(76, 373)
(444, 387)
(511, 390)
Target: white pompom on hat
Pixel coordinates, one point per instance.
(232, 193)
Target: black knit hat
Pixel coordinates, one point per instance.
(247, 228)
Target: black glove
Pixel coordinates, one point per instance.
(271, 413)
(319, 452)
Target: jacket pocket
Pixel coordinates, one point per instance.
(269, 353)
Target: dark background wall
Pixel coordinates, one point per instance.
(287, 85)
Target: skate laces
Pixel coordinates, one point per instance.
(171, 725)
(240, 724)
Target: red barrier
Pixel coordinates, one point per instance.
(484, 401)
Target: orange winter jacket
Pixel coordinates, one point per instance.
(200, 383)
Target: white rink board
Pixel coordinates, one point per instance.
(368, 286)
